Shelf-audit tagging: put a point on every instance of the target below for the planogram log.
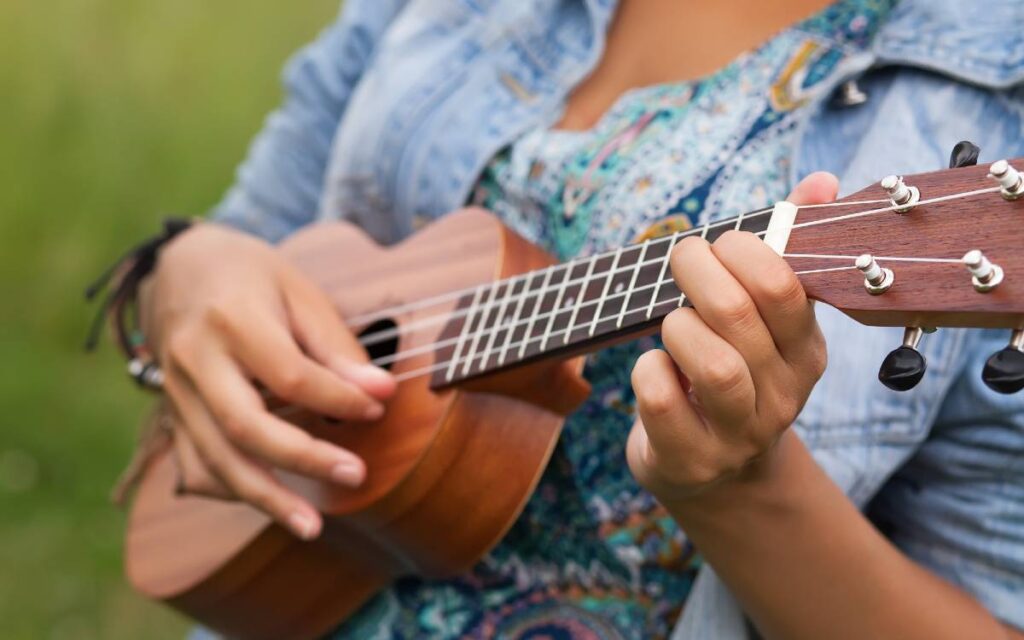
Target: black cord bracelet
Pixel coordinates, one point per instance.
(121, 282)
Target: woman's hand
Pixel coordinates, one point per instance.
(225, 311)
(739, 365)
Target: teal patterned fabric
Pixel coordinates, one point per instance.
(593, 556)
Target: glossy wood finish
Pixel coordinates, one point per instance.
(448, 471)
(924, 294)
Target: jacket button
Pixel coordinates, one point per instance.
(849, 94)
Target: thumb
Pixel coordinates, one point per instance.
(818, 188)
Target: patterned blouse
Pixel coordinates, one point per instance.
(593, 556)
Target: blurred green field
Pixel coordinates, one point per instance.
(112, 112)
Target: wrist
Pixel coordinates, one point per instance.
(767, 481)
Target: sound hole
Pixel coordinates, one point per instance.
(386, 345)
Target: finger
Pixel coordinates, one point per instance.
(720, 377)
(268, 352)
(238, 409)
(321, 331)
(774, 289)
(670, 429)
(248, 481)
(195, 478)
(723, 304)
(817, 188)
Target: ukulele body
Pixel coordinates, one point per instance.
(448, 471)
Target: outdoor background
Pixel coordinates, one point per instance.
(112, 112)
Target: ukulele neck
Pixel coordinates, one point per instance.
(575, 307)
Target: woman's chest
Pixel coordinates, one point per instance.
(663, 158)
(653, 42)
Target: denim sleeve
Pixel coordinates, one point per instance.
(939, 469)
(957, 505)
(278, 186)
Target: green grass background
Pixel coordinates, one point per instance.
(112, 112)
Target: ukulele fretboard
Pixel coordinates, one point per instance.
(568, 308)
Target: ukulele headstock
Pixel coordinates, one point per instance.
(939, 249)
(924, 281)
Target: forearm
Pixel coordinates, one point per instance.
(805, 563)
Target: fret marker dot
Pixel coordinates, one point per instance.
(619, 287)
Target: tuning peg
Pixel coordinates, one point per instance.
(965, 154)
(985, 276)
(1010, 180)
(876, 279)
(902, 196)
(1004, 371)
(904, 367)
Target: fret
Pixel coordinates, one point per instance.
(467, 327)
(471, 355)
(515, 318)
(756, 222)
(606, 320)
(632, 283)
(661, 273)
(528, 333)
(607, 288)
(591, 292)
(704, 236)
(558, 303)
(580, 298)
(499, 324)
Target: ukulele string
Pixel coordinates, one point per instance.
(674, 300)
(859, 214)
(379, 336)
(387, 334)
(512, 326)
(826, 256)
(379, 314)
(566, 267)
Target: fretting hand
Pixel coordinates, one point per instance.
(738, 368)
(224, 311)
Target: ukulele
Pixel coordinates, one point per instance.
(485, 334)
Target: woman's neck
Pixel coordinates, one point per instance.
(658, 41)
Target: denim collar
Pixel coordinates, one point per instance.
(980, 43)
(977, 42)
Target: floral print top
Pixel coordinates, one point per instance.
(593, 556)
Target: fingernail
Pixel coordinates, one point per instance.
(374, 411)
(375, 373)
(303, 526)
(368, 376)
(347, 472)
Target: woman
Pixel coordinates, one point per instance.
(583, 124)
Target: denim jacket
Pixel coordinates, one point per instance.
(392, 113)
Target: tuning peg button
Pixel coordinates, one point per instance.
(904, 367)
(876, 279)
(902, 196)
(984, 275)
(1004, 370)
(1011, 182)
